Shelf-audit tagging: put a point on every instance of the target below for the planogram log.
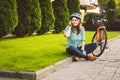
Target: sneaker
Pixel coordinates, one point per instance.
(77, 58)
(92, 58)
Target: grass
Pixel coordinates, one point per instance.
(36, 52)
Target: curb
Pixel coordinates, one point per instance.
(35, 75)
(17, 74)
(113, 38)
(52, 68)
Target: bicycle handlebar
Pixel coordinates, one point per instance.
(101, 21)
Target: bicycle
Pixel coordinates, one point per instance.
(100, 36)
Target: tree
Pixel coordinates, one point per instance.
(103, 3)
(61, 15)
(73, 6)
(117, 8)
(29, 17)
(111, 14)
(48, 17)
(8, 16)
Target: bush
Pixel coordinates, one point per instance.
(61, 15)
(111, 14)
(117, 8)
(102, 4)
(114, 26)
(118, 17)
(89, 24)
(48, 17)
(8, 16)
(29, 17)
(73, 6)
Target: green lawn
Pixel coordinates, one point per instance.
(36, 52)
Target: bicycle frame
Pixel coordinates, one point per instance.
(99, 33)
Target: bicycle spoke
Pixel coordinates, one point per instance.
(101, 41)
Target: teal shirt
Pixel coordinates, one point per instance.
(75, 39)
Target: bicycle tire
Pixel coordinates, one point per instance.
(101, 44)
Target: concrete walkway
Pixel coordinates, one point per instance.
(106, 67)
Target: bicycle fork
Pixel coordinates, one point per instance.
(100, 36)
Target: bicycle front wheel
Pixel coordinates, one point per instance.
(101, 40)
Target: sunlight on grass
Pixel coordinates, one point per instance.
(32, 53)
(36, 52)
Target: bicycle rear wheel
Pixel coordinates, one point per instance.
(101, 41)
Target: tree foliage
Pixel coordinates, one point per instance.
(48, 17)
(61, 14)
(29, 17)
(117, 8)
(8, 16)
(111, 14)
(73, 6)
(103, 3)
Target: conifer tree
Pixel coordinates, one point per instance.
(73, 6)
(8, 16)
(48, 17)
(29, 17)
(111, 14)
(61, 15)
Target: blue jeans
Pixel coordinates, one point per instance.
(89, 48)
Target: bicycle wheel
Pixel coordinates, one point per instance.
(102, 41)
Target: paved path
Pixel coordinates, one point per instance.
(106, 67)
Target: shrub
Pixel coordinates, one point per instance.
(48, 17)
(73, 6)
(111, 14)
(117, 8)
(61, 15)
(8, 16)
(103, 3)
(29, 17)
(89, 23)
